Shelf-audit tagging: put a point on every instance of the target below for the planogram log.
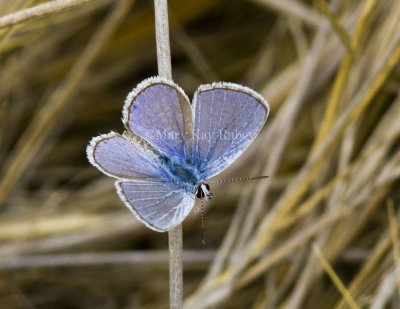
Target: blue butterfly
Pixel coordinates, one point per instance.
(170, 147)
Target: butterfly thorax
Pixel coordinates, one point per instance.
(183, 174)
(188, 177)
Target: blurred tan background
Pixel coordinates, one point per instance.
(321, 232)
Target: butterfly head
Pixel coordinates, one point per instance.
(203, 192)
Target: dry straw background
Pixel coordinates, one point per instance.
(321, 232)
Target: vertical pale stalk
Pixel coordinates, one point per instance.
(162, 39)
(175, 235)
(175, 267)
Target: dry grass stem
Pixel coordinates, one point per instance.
(330, 71)
(334, 277)
(43, 9)
(175, 235)
(45, 118)
(142, 259)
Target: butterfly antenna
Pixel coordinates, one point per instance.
(238, 179)
(203, 229)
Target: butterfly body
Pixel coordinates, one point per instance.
(183, 174)
(171, 147)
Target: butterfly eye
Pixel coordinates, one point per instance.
(199, 193)
(203, 193)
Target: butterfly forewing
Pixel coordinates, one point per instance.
(227, 118)
(159, 111)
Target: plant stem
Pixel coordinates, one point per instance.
(175, 235)
(175, 267)
(38, 11)
(162, 39)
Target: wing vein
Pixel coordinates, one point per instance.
(209, 123)
(177, 124)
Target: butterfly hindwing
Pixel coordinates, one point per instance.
(160, 206)
(227, 118)
(118, 157)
